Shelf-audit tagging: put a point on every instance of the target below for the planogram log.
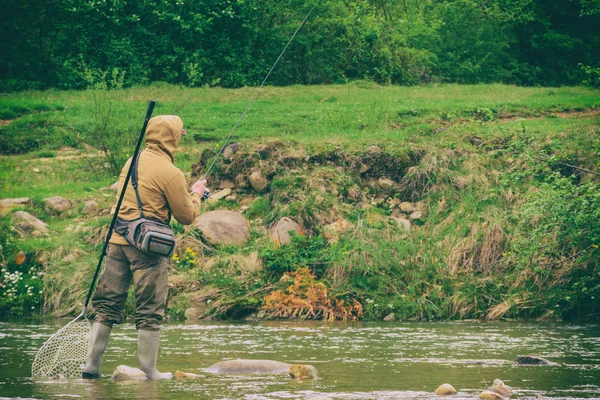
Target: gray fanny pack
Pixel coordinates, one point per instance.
(149, 236)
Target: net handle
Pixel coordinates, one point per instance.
(118, 206)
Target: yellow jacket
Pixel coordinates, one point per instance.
(161, 185)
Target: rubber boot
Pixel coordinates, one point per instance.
(98, 341)
(148, 342)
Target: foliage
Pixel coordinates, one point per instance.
(592, 76)
(303, 251)
(232, 44)
(186, 261)
(308, 298)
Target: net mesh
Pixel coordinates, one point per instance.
(64, 355)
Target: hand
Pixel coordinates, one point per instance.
(199, 187)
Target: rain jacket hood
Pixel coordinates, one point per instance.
(164, 134)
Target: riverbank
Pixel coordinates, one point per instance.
(438, 202)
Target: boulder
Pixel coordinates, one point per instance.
(31, 220)
(195, 313)
(489, 395)
(407, 207)
(123, 372)
(332, 231)
(230, 151)
(249, 367)
(390, 317)
(298, 371)
(499, 387)
(221, 194)
(280, 233)
(403, 222)
(445, 390)
(533, 360)
(18, 201)
(57, 204)
(89, 207)
(226, 184)
(257, 181)
(223, 227)
(385, 183)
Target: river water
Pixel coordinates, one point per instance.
(404, 360)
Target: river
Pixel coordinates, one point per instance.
(400, 360)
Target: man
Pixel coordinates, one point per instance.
(163, 191)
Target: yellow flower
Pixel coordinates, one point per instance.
(595, 246)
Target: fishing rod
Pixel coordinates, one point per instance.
(256, 95)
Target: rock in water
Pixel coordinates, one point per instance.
(181, 374)
(123, 372)
(533, 360)
(280, 233)
(445, 389)
(31, 220)
(303, 372)
(57, 203)
(224, 227)
(489, 395)
(249, 367)
(500, 388)
(390, 317)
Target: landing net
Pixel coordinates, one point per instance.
(64, 355)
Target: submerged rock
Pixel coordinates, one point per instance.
(499, 387)
(123, 372)
(445, 389)
(249, 367)
(298, 371)
(489, 395)
(181, 374)
(533, 360)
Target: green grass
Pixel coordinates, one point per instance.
(488, 161)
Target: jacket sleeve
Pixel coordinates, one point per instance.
(185, 206)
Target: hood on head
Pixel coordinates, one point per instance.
(164, 133)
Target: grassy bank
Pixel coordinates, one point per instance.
(502, 176)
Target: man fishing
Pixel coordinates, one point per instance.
(164, 192)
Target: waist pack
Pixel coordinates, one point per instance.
(149, 236)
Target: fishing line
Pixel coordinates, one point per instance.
(256, 94)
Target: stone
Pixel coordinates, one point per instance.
(226, 184)
(445, 390)
(499, 387)
(223, 227)
(395, 202)
(407, 207)
(181, 374)
(247, 201)
(221, 194)
(241, 181)
(17, 201)
(298, 371)
(390, 317)
(533, 360)
(36, 170)
(416, 216)
(489, 395)
(320, 398)
(240, 366)
(403, 223)
(332, 231)
(89, 206)
(31, 220)
(230, 151)
(36, 234)
(57, 203)
(195, 313)
(123, 372)
(280, 233)
(231, 197)
(115, 186)
(257, 181)
(385, 183)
